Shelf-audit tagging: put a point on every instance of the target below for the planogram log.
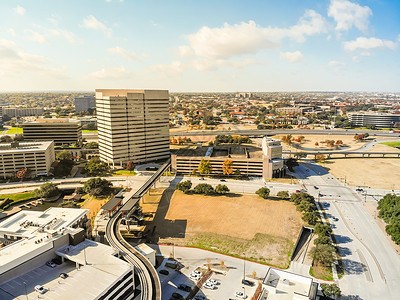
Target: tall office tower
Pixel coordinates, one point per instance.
(133, 125)
(84, 103)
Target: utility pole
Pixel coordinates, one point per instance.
(26, 293)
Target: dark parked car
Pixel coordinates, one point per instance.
(63, 275)
(223, 180)
(200, 297)
(177, 296)
(184, 287)
(164, 272)
(247, 282)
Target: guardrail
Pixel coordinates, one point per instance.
(148, 277)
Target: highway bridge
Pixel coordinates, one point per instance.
(150, 286)
(259, 133)
(346, 154)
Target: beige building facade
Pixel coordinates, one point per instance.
(37, 157)
(273, 162)
(133, 125)
(61, 131)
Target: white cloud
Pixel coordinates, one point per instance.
(369, 43)
(292, 57)
(125, 53)
(213, 64)
(14, 61)
(335, 64)
(111, 73)
(36, 36)
(244, 38)
(19, 10)
(69, 36)
(11, 31)
(173, 69)
(348, 14)
(92, 23)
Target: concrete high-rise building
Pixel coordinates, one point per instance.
(22, 111)
(273, 162)
(84, 103)
(61, 131)
(133, 125)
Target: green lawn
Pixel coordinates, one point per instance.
(125, 173)
(15, 130)
(89, 131)
(392, 144)
(18, 197)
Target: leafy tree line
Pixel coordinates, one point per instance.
(232, 139)
(202, 188)
(305, 203)
(389, 211)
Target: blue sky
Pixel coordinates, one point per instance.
(286, 45)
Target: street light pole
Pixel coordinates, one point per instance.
(26, 293)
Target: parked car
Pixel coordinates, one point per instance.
(212, 281)
(315, 187)
(240, 295)
(164, 272)
(177, 296)
(40, 289)
(200, 297)
(194, 276)
(223, 180)
(247, 282)
(51, 264)
(184, 287)
(202, 178)
(197, 272)
(208, 285)
(63, 275)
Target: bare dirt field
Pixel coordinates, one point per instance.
(240, 225)
(380, 173)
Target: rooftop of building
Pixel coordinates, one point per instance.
(51, 121)
(99, 269)
(223, 151)
(373, 114)
(106, 93)
(23, 146)
(287, 285)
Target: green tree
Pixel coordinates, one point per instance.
(64, 155)
(18, 138)
(331, 290)
(204, 188)
(6, 139)
(263, 192)
(97, 186)
(184, 186)
(221, 189)
(95, 167)
(310, 217)
(306, 206)
(237, 173)
(92, 145)
(297, 198)
(322, 240)
(393, 229)
(47, 190)
(283, 194)
(322, 230)
(299, 155)
(324, 254)
(205, 166)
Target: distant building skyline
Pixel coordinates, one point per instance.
(326, 45)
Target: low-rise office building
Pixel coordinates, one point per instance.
(61, 131)
(91, 270)
(374, 119)
(264, 162)
(37, 157)
(22, 111)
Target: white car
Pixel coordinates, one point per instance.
(40, 289)
(240, 295)
(212, 281)
(194, 276)
(197, 272)
(51, 264)
(208, 285)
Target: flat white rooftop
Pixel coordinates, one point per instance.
(27, 223)
(24, 147)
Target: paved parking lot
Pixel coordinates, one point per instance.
(229, 281)
(44, 275)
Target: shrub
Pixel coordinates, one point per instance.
(47, 190)
(283, 194)
(204, 188)
(184, 186)
(97, 186)
(221, 189)
(263, 192)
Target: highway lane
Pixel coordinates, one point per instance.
(372, 266)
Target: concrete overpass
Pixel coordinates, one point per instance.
(346, 154)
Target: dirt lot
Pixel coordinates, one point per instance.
(380, 173)
(262, 230)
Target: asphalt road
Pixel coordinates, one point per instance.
(372, 266)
